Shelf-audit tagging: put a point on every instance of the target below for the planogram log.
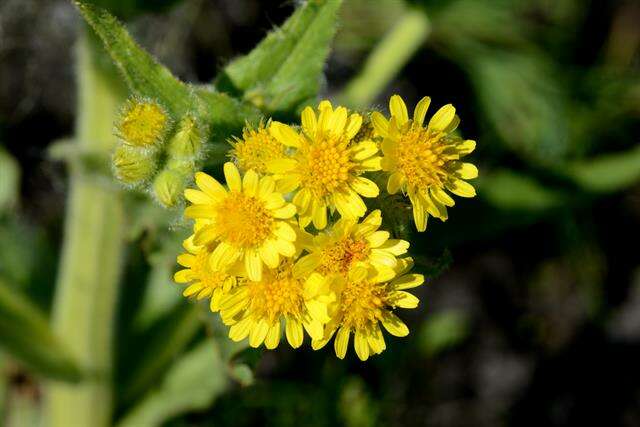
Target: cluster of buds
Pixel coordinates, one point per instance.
(289, 243)
(154, 152)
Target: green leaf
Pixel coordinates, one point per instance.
(192, 383)
(25, 334)
(284, 70)
(9, 181)
(143, 75)
(608, 172)
(444, 330)
(510, 190)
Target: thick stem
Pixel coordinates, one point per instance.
(87, 286)
(387, 59)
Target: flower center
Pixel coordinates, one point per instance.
(277, 294)
(243, 221)
(421, 159)
(256, 149)
(340, 256)
(209, 278)
(362, 304)
(326, 165)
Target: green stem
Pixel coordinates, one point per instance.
(87, 287)
(387, 59)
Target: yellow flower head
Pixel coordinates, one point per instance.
(249, 221)
(142, 123)
(424, 162)
(366, 298)
(257, 308)
(348, 244)
(326, 165)
(255, 149)
(203, 281)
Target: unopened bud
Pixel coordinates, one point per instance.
(142, 123)
(186, 143)
(168, 187)
(133, 165)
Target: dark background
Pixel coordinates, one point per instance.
(532, 313)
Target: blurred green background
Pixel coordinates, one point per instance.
(531, 315)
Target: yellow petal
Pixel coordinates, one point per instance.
(206, 235)
(419, 214)
(353, 125)
(380, 124)
(403, 299)
(376, 340)
(377, 238)
(309, 121)
(341, 343)
(293, 331)
(302, 199)
(284, 134)
(442, 197)
(420, 111)
(253, 264)
(364, 150)
(396, 180)
(210, 186)
(232, 176)
(396, 247)
(250, 183)
(240, 330)
(285, 212)
(285, 231)
(365, 187)
(186, 260)
(466, 147)
(280, 166)
(337, 121)
(461, 188)
(361, 345)
(285, 248)
(306, 265)
(463, 170)
(408, 281)
(442, 118)
(394, 325)
(269, 255)
(198, 197)
(258, 333)
(266, 186)
(273, 336)
(398, 110)
(319, 215)
(192, 289)
(222, 256)
(201, 211)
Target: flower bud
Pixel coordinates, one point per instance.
(142, 123)
(133, 165)
(186, 143)
(168, 187)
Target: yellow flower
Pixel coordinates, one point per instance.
(349, 243)
(249, 222)
(142, 123)
(367, 297)
(203, 281)
(255, 149)
(257, 308)
(424, 162)
(326, 166)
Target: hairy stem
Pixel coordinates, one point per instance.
(387, 59)
(87, 286)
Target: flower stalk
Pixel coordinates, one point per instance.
(87, 288)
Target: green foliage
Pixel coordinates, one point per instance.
(608, 172)
(514, 191)
(9, 181)
(191, 384)
(283, 72)
(25, 334)
(442, 331)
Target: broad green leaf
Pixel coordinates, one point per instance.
(25, 334)
(9, 180)
(143, 75)
(510, 190)
(166, 339)
(608, 172)
(285, 69)
(191, 384)
(442, 331)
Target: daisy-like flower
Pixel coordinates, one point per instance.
(255, 149)
(326, 166)
(424, 162)
(257, 308)
(349, 243)
(250, 222)
(203, 282)
(366, 298)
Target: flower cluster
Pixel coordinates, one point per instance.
(287, 244)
